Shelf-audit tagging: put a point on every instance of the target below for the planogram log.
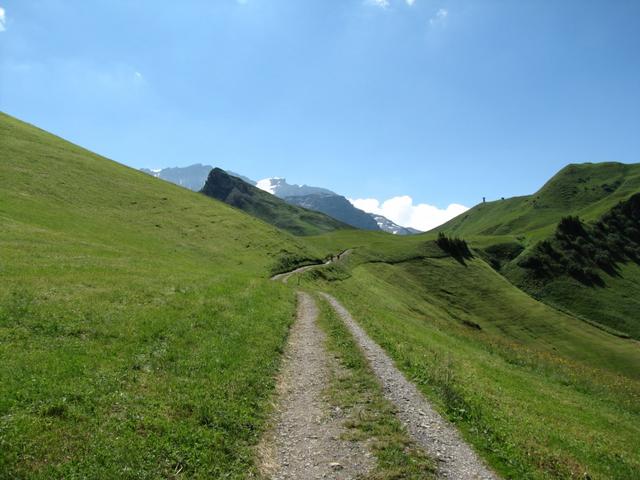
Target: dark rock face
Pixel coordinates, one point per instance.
(192, 177)
(225, 187)
(237, 193)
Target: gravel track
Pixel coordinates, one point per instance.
(438, 437)
(284, 277)
(305, 442)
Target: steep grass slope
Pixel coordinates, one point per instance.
(507, 233)
(297, 220)
(539, 393)
(589, 268)
(587, 190)
(139, 333)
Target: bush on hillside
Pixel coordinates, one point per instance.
(456, 247)
(584, 251)
(570, 227)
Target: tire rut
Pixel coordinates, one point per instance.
(305, 441)
(438, 437)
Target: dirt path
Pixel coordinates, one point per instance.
(284, 277)
(437, 436)
(305, 441)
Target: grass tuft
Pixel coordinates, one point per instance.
(370, 417)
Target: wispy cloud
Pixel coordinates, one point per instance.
(440, 17)
(403, 211)
(3, 19)
(378, 3)
(387, 3)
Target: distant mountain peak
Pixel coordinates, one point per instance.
(240, 194)
(391, 227)
(279, 187)
(191, 177)
(313, 198)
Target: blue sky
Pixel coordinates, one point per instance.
(442, 101)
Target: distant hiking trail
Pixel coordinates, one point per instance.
(284, 277)
(305, 441)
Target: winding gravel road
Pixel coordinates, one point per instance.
(284, 277)
(305, 442)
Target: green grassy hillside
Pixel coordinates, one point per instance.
(592, 269)
(587, 190)
(540, 393)
(139, 333)
(508, 232)
(294, 219)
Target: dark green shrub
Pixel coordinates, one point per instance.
(456, 247)
(571, 227)
(580, 250)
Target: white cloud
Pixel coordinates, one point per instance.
(3, 19)
(402, 211)
(440, 17)
(410, 2)
(139, 79)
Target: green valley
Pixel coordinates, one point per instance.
(141, 335)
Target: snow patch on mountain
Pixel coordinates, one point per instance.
(279, 187)
(268, 185)
(387, 225)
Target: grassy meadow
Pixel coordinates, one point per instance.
(539, 393)
(139, 333)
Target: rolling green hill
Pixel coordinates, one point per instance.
(539, 393)
(587, 190)
(592, 269)
(294, 219)
(508, 233)
(140, 335)
(139, 332)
